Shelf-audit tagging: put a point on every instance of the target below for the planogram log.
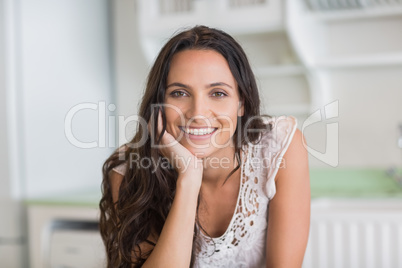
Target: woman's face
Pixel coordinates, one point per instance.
(202, 102)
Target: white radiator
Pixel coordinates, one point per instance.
(355, 233)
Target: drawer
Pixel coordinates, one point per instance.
(76, 249)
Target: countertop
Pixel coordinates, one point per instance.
(362, 183)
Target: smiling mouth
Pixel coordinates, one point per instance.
(198, 131)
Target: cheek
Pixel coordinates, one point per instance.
(171, 116)
(228, 125)
(228, 116)
(173, 119)
(175, 109)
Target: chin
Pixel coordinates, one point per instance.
(200, 152)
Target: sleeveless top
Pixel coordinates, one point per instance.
(244, 242)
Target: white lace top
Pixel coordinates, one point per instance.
(243, 243)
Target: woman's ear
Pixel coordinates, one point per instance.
(240, 110)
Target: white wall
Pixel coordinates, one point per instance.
(4, 161)
(11, 220)
(62, 59)
(370, 110)
(369, 113)
(131, 68)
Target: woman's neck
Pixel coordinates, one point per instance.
(219, 166)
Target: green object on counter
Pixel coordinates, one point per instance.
(335, 182)
(82, 198)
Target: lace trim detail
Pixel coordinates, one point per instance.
(121, 169)
(243, 243)
(246, 225)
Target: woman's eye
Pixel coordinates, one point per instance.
(219, 94)
(178, 94)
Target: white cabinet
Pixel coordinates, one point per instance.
(336, 43)
(75, 248)
(158, 20)
(259, 26)
(355, 232)
(281, 77)
(294, 49)
(367, 36)
(64, 236)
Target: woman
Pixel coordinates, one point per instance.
(207, 182)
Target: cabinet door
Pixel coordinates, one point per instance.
(76, 248)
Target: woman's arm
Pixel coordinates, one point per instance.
(173, 248)
(174, 244)
(289, 210)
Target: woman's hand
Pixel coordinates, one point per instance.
(179, 157)
(179, 224)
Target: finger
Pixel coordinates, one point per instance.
(160, 122)
(167, 139)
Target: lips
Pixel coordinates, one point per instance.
(199, 131)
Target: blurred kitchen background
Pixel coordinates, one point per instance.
(73, 71)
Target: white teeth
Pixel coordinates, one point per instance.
(198, 131)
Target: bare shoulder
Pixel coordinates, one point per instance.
(115, 180)
(293, 179)
(297, 145)
(289, 210)
(295, 159)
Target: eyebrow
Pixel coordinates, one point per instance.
(219, 84)
(208, 86)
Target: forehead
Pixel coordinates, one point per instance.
(198, 53)
(207, 64)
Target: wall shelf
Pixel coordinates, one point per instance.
(259, 28)
(291, 47)
(280, 70)
(374, 60)
(346, 38)
(357, 14)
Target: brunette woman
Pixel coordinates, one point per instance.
(206, 181)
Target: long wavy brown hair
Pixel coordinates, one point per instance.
(146, 194)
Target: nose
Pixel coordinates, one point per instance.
(198, 109)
